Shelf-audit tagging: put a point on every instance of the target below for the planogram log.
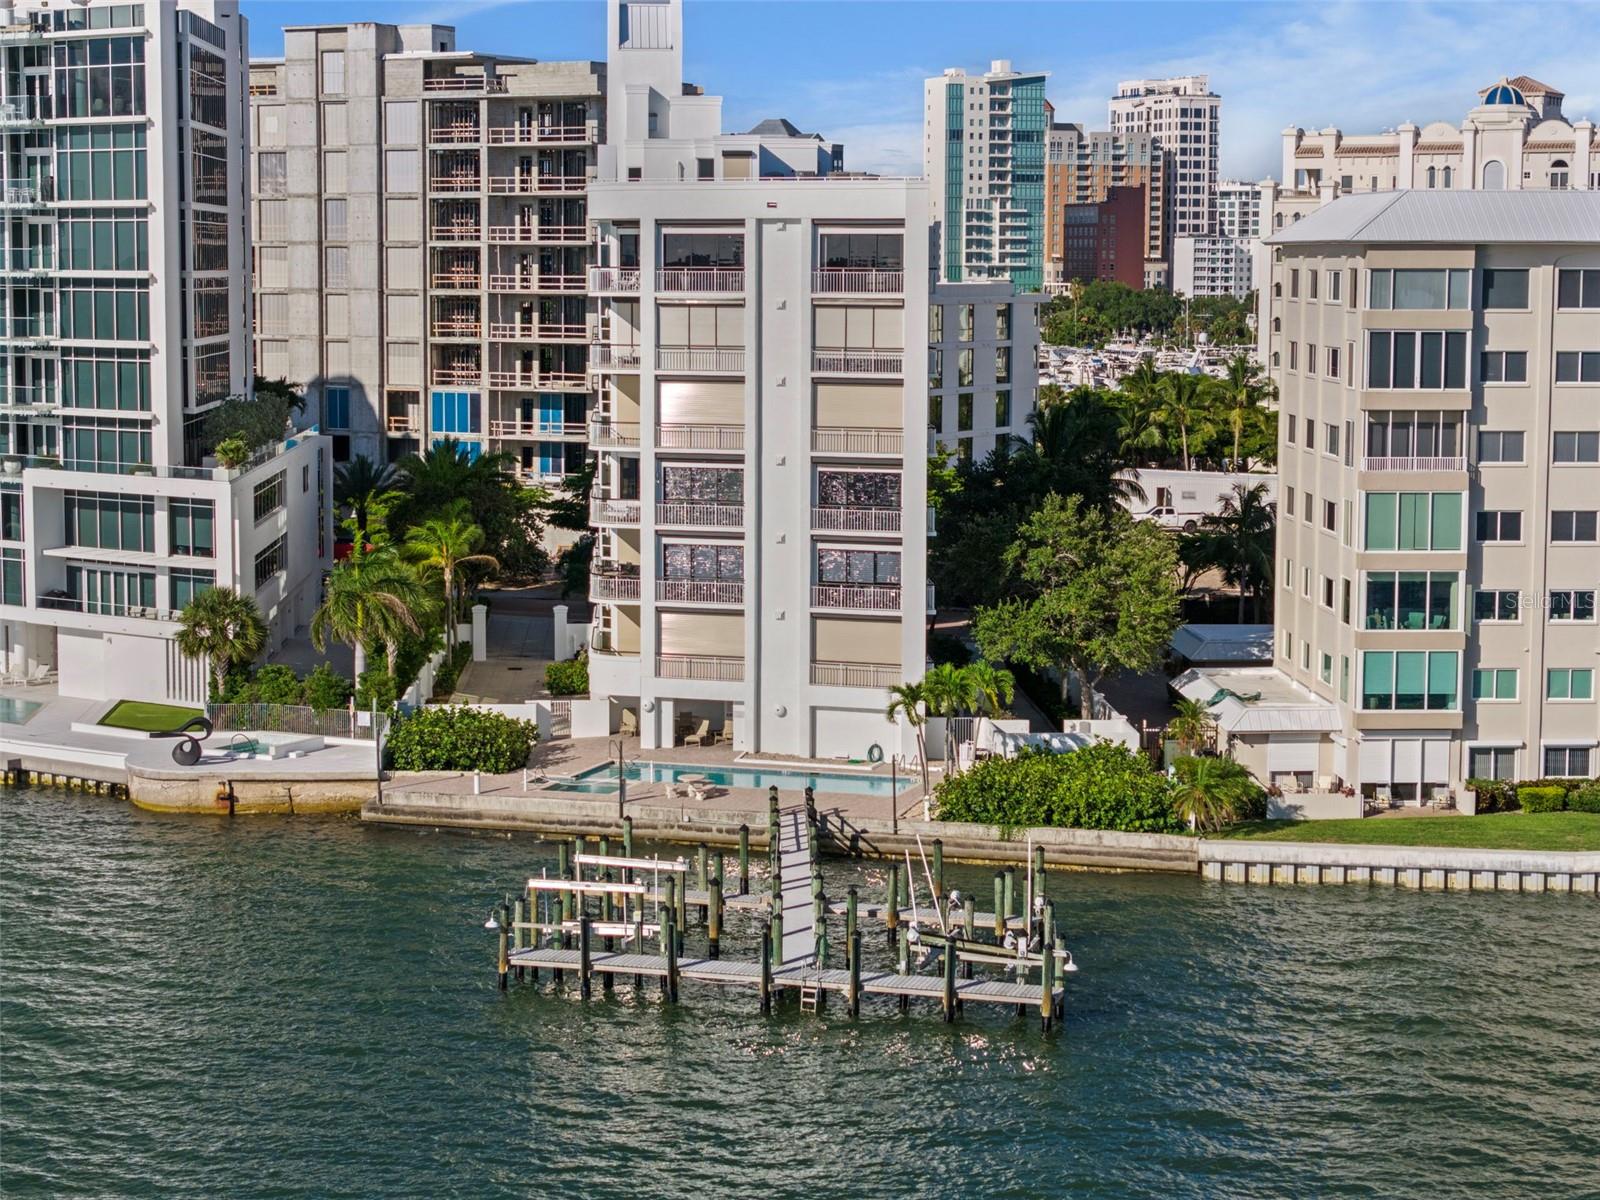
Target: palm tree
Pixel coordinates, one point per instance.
(1210, 792)
(446, 544)
(1192, 725)
(1184, 405)
(361, 485)
(1238, 540)
(908, 701)
(1243, 389)
(371, 595)
(224, 626)
(992, 686)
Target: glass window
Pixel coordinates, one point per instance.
(333, 72)
(1413, 600)
(1503, 366)
(1406, 360)
(1491, 762)
(1569, 683)
(191, 525)
(1499, 526)
(1578, 366)
(186, 585)
(1569, 525)
(1504, 288)
(702, 249)
(1570, 762)
(1492, 605)
(1413, 521)
(1500, 446)
(1494, 683)
(1572, 606)
(1578, 446)
(1578, 288)
(865, 251)
(269, 496)
(1411, 680)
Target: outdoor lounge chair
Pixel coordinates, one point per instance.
(701, 735)
(630, 724)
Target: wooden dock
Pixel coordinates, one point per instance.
(797, 863)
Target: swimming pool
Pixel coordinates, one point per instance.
(17, 712)
(603, 780)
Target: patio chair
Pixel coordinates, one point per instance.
(630, 723)
(701, 735)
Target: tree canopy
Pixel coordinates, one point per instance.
(1098, 311)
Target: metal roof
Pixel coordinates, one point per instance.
(1259, 700)
(1450, 217)
(1200, 643)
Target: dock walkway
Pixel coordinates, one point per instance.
(796, 865)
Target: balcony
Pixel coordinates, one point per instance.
(695, 515)
(457, 281)
(539, 135)
(538, 281)
(678, 436)
(457, 329)
(860, 675)
(705, 361)
(457, 377)
(613, 512)
(699, 591)
(455, 134)
(700, 280)
(541, 235)
(855, 520)
(403, 425)
(76, 604)
(519, 331)
(455, 233)
(857, 362)
(464, 83)
(609, 435)
(538, 381)
(844, 440)
(614, 280)
(857, 281)
(534, 185)
(537, 429)
(613, 586)
(603, 356)
(1446, 463)
(859, 598)
(455, 182)
(704, 667)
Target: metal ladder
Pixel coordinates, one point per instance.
(810, 997)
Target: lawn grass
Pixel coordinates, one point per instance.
(1492, 831)
(151, 718)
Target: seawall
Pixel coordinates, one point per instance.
(1436, 868)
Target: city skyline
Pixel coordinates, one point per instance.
(1270, 73)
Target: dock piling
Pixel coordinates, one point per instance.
(1010, 890)
(744, 860)
(503, 965)
(627, 837)
(853, 948)
(852, 934)
(938, 875)
(999, 906)
(672, 965)
(585, 963)
(714, 916)
(949, 982)
(891, 914)
(766, 972)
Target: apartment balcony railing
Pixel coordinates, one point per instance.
(1445, 463)
(857, 281)
(541, 235)
(529, 331)
(863, 675)
(858, 362)
(538, 429)
(539, 135)
(457, 377)
(704, 667)
(699, 516)
(464, 83)
(457, 281)
(610, 435)
(720, 359)
(673, 435)
(827, 518)
(613, 279)
(863, 597)
(606, 357)
(457, 329)
(538, 381)
(533, 185)
(846, 440)
(700, 279)
(613, 512)
(403, 425)
(455, 183)
(613, 586)
(455, 233)
(99, 609)
(463, 132)
(538, 281)
(699, 591)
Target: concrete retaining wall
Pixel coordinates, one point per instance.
(237, 794)
(1428, 867)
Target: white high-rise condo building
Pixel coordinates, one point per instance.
(127, 310)
(423, 241)
(1437, 359)
(761, 487)
(1183, 115)
(983, 154)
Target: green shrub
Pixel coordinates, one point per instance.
(570, 678)
(444, 682)
(1585, 799)
(376, 687)
(457, 738)
(1536, 799)
(278, 684)
(325, 688)
(1494, 795)
(238, 687)
(1103, 786)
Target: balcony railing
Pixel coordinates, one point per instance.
(858, 362)
(855, 520)
(457, 182)
(457, 329)
(457, 281)
(857, 281)
(700, 279)
(613, 279)
(530, 185)
(535, 381)
(527, 331)
(456, 233)
(537, 135)
(464, 83)
(540, 235)
(613, 512)
(537, 429)
(403, 425)
(720, 359)
(446, 134)
(844, 440)
(868, 597)
(538, 281)
(700, 591)
(606, 357)
(676, 436)
(608, 586)
(1445, 463)
(864, 675)
(705, 667)
(457, 377)
(605, 435)
(703, 516)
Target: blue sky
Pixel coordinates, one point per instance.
(853, 69)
